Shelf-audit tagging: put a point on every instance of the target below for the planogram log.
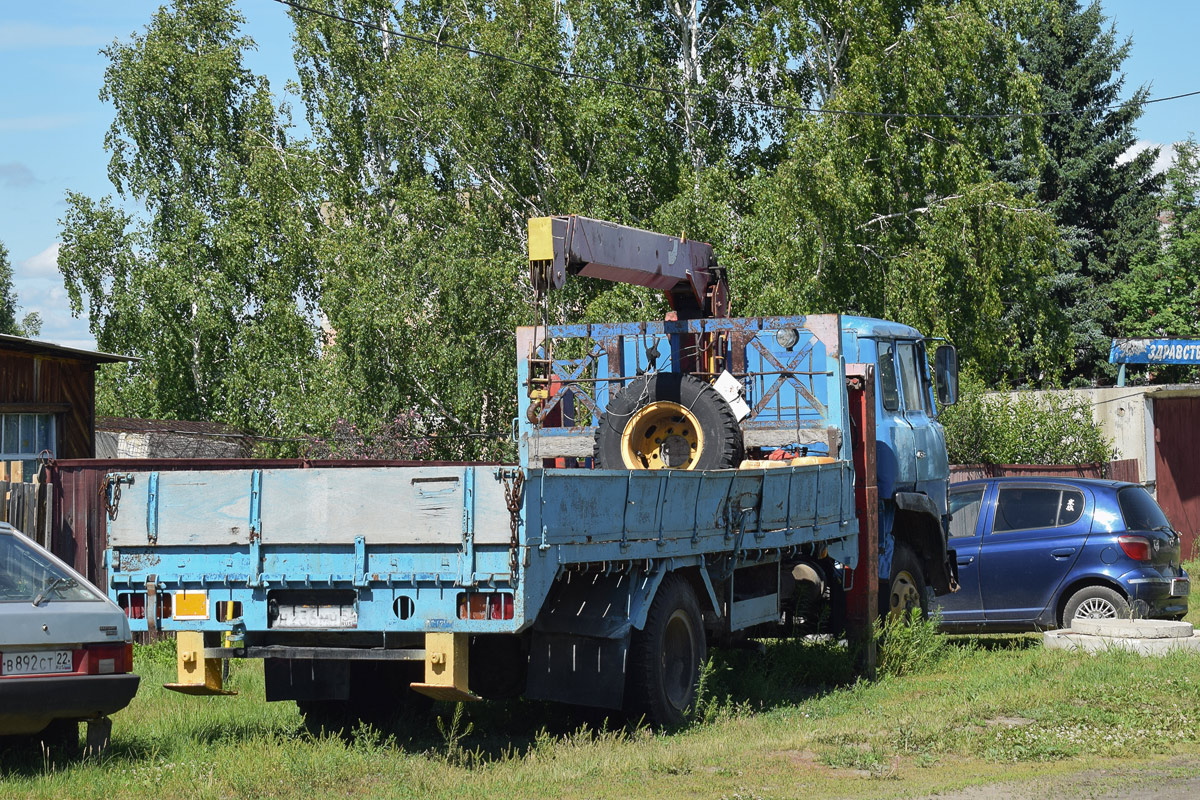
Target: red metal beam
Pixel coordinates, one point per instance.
(862, 599)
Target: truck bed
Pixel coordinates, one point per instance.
(415, 549)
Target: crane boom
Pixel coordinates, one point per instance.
(686, 270)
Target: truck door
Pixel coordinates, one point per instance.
(1035, 538)
(896, 448)
(929, 453)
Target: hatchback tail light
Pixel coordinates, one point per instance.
(1136, 547)
(108, 659)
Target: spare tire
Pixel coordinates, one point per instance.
(666, 420)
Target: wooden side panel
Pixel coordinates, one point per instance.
(16, 379)
(417, 505)
(64, 386)
(194, 508)
(1177, 462)
(77, 427)
(414, 505)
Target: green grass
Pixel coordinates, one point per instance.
(790, 722)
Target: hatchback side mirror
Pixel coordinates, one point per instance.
(945, 369)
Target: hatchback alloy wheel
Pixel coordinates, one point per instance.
(1096, 608)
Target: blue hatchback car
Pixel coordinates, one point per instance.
(1035, 553)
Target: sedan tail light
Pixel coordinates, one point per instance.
(1136, 547)
(108, 659)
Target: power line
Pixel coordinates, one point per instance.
(572, 75)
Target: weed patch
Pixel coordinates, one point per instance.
(911, 645)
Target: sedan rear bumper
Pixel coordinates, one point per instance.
(67, 697)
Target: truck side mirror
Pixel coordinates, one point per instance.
(945, 368)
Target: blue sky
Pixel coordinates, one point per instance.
(52, 123)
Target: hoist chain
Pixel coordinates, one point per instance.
(110, 502)
(512, 498)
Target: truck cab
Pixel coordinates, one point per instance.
(910, 456)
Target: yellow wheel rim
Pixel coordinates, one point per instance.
(662, 435)
(904, 595)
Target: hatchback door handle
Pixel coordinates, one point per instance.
(1062, 552)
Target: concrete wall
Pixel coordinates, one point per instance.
(1126, 414)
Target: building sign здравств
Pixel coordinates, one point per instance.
(1155, 351)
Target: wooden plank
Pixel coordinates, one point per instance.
(30, 526)
(1125, 469)
(44, 509)
(4, 485)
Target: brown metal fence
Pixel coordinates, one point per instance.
(1123, 470)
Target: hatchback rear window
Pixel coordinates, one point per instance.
(27, 575)
(1140, 511)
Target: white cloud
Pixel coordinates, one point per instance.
(1161, 164)
(30, 35)
(15, 175)
(45, 122)
(39, 287)
(43, 265)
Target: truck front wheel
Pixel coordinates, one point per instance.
(667, 655)
(906, 584)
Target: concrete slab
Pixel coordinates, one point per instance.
(1134, 628)
(1090, 643)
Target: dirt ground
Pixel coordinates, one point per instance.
(1176, 779)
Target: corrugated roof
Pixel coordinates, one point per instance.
(19, 344)
(136, 425)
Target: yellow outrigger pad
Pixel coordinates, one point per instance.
(197, 675)
(445, 668)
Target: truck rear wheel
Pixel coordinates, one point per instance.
(666, 420)
(666, 656)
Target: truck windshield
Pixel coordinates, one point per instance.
(887, 377)
(27, 574)
(910, 378)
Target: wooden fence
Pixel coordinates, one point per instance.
(25, 505)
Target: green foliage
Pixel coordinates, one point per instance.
(8, 298)
(397, 439)
(1161, 294)
(910, 645)
(1054, 427)
(377, 269)
(903, 218)
(31, 324)
(1102, 201)
(213, 286)
(453, 733)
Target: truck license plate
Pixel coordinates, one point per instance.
(37, 662)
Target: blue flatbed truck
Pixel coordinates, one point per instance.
(650, 514)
